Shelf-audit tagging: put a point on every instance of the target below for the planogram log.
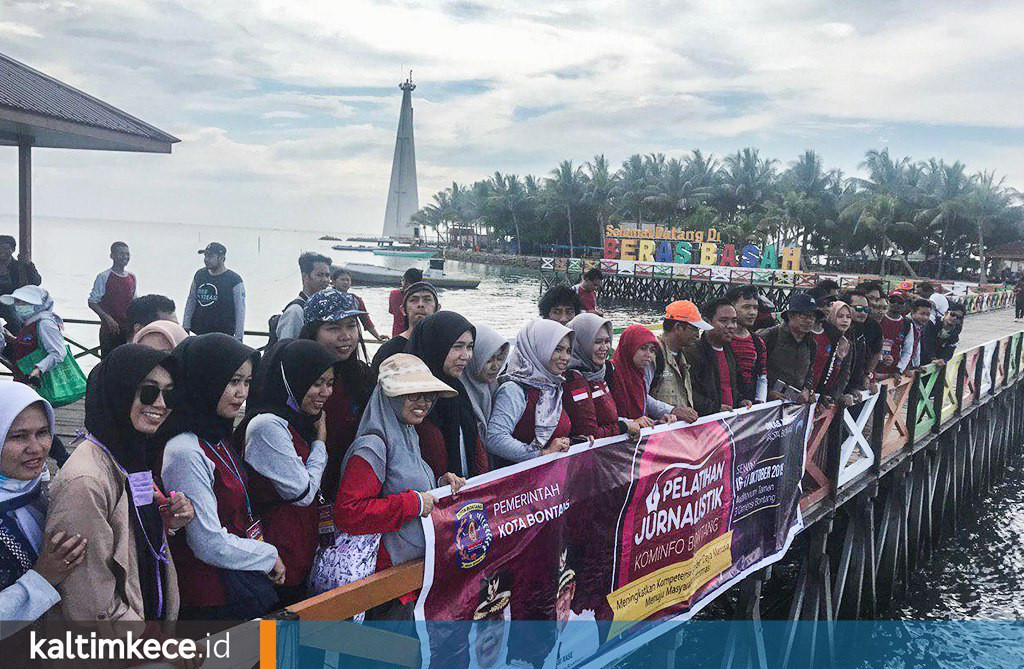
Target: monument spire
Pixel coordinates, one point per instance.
(403, 197)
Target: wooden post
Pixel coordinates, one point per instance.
(25, 198)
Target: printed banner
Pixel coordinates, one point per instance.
(608, 536)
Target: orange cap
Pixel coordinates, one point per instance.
(686, 312)
(906, 286)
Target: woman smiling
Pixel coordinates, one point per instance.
(284, 434)
(106, 491)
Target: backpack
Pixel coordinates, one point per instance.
(276, 318)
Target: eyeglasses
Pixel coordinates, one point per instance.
(429, 398)
(862, 309)
(148, 394)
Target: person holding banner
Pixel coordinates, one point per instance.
(228, 569)
(528, 418)
(449, 438)
(587, 397)
(633, 365)
(385, 479)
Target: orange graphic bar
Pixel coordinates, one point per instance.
(268, 644)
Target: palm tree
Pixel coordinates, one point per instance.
(567, 186)
(701, 180)
(509, 196)
(944, 192)
(600, 186)
(632, 188)
(748, 181)
(990, 202)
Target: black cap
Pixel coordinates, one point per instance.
(7, 240)
(803, 303)
(216, 248)
(420, 287)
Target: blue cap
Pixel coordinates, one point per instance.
(803, 303)
(330, 305)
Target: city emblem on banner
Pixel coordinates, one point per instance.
(472, 535)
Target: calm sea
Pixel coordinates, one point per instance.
(70, 252)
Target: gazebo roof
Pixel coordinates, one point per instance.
(55, 115)
(1009, 251)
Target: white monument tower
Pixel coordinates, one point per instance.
(403, 197)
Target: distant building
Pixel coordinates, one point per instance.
(403, 196)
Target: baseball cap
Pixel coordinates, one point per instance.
(216, 248)
(405, 374)
(906, 286)
(330, 305)
(897, 293)
(29, 294)
(686, 311)
(420, 287)
(803, 303)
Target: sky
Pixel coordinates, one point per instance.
(287, 110)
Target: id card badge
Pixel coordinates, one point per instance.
(326, 524)
(255, 531)
(141, 486)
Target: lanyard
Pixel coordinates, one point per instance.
(233, 468)
(158, 556)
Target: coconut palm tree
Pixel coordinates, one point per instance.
(600, 187)
(566, 188)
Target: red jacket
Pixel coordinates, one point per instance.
(526, 428)
(435, 453)
(359, 508)
(590, 407)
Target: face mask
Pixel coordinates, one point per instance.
(24, 310)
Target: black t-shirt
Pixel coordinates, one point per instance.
(872, 336)
(386, 350)
(215, 302)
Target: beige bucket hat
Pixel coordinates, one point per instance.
(405, 374)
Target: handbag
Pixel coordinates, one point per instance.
(62, 385)
(350, 558)
(249, 594)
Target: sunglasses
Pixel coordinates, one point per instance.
(148, 394)
(862, 309)
(429, 398)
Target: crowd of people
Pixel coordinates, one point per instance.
(217, 482)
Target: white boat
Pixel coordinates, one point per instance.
(374, 275)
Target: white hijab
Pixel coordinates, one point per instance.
(15, 398)
(488, 342)
(528, 365)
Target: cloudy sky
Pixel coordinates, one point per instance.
(287, 110)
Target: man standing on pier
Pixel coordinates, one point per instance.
(747, 346)
(587, 290)
(13, 275)
(791, 350)
(216, 300)
(397, 297)
(112, 293)
(672, 384)
(315, 271)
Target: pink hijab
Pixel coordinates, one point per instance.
(169, 331)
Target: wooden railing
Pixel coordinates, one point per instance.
(848, 447)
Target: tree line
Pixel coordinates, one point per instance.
(940, 212)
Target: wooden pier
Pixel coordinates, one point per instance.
(884, 481)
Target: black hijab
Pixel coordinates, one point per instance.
(430, 342)
(108, 403)
(302, 362)
(205, 365)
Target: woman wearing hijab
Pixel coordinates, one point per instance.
(40, 329)
(490, 351)
(30, 566)
(229, 569)
(385, 479)
(588, 399)
(284, 430)
(633, 363)
(332, 319)
(449, 437)
(839, 363)
(161, 335)
(106, 491)
(528, 419)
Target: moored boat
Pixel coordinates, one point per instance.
(404, 253)
(374, 275)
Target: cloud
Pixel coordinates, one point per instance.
(288, 112)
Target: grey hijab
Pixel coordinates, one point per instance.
(587, 326)
(392, 449)
(488, 342)
(528, 365)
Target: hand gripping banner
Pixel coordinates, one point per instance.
(609, 536)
